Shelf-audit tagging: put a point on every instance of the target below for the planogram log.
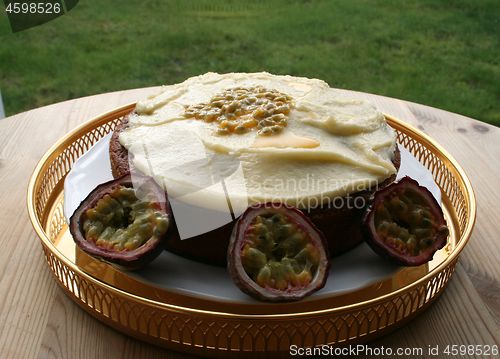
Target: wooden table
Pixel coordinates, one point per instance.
(38, 320)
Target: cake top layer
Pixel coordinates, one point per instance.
(250, 138)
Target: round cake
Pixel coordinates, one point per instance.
(219, 143)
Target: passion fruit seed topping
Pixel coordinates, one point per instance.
(241, 109)
(278, 254)
(120, 221)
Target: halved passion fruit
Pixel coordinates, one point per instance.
(405, 223)
(123, 221)
(276, 254)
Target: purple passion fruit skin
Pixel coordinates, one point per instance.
(123, 222)
(276, 254)
(405, 223)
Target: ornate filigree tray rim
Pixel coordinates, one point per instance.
(40, 219)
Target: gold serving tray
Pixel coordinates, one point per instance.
(203, 325)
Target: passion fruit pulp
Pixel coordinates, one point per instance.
(405, 223)
(276, 254)
(124, 221)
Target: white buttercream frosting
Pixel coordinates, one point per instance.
(331, 146)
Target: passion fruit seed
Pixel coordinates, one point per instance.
(406, 220)
(120, 221)
(241, 109)
(278, 254)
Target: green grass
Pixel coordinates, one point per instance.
(440, 53)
